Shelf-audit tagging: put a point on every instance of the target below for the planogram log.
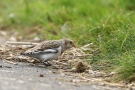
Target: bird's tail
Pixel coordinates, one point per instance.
(25, 54)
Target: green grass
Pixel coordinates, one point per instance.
(107, 23)
(125, 67)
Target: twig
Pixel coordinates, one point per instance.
(87, 45)
(60, 62)
(21, 43)
(10, 62)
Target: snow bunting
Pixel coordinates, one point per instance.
(49, 50)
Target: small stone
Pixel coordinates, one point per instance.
(12, 38)
(41, 75)
(36, 38)
(1, 66)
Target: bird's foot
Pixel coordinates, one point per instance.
(47, 63)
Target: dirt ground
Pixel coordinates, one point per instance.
(22, 76)
(28, 74)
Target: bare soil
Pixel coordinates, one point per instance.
(23, 76)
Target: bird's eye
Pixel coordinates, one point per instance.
(70, 42)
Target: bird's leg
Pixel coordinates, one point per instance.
(49, 63)
(46, 63)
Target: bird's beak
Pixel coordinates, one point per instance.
(73, 45)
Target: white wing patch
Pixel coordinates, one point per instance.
(50, 51)
(47, 54)
(53, 55)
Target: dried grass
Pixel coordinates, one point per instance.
(70, 64)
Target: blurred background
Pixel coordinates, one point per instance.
(84, 21)
(109, 24)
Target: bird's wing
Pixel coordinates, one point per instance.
(48, 51)
(44, 47)
(48, 45)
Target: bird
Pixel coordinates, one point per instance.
(49, 50)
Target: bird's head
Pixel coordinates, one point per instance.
(69, 43)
